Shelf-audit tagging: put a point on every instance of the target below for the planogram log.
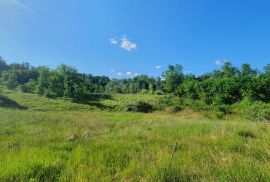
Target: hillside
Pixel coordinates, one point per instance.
(33, 102)
(56, 140)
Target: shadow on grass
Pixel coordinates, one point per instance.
(95, 100)
(8, 103)
(99, 97)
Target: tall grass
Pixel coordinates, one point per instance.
(64, 144)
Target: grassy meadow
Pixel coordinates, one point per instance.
(44, 139)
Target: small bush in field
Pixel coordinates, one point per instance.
(143, 107)
(29, 87)
(144, 91)
(50, 94)
(246, 134)
(221, 111)
(259, 111)
(159, 92)
(129, 108)
(177, 107)
(255, 110)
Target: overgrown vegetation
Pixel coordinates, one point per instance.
(217, 91)
(61, 125)
(58, 140)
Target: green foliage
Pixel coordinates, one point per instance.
(159, 92)
(139, 106)
(142, 106)
(43, 80)
(3, 65)
(246, 134)
(29, 87)
(176, 104)
(189, 89)
(177, 107)
(116, 86)
(173, 78)
(221, 111)
(144, 91)
(226, 86)
(259, 111)
(57, 140)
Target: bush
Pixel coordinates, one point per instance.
(130, 108)
(246, 134)
(50, 94)
(174, 103)
(221, 111)
(29, 87)
(139, 107)
(254, 110)
(144, 92)
(143, 107)
(177, 107)
(260, 111)
(195, 105)
(159, 92)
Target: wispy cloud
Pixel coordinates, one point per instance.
(113, 41)
(127, 45)
(132, 74)
(157, 67)
(187, 72)
(219, 62)
(21, 4)
(124, 43)
(119, 74)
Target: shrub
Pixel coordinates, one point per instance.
(159, 92)
(29, 87)
(177, 107)
(221, 111)
(50, 94)
(260, 111)
(129, 108)
(144, 92)
(254, 110)
(175, 103)
(246, 134)
(143, 107)
(196, 105)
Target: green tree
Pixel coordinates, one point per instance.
(173, 78)
(3, 65)
(228, 70)
(43, 80)
(70, 76)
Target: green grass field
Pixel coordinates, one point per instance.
(55, 140)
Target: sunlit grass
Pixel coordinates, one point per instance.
(91, 145)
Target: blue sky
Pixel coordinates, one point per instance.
(127, 37)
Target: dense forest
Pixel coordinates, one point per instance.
(226, 86)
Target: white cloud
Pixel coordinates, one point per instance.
(119, 74)
(219, 62)
(187, 72)
(127, 45)
(131, 74)
(157, 67)
(113, 41)
(112, 70)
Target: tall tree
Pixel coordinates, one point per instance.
(43, 80)
(173, 78)
(3, 65)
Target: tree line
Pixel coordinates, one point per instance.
(227, 85)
